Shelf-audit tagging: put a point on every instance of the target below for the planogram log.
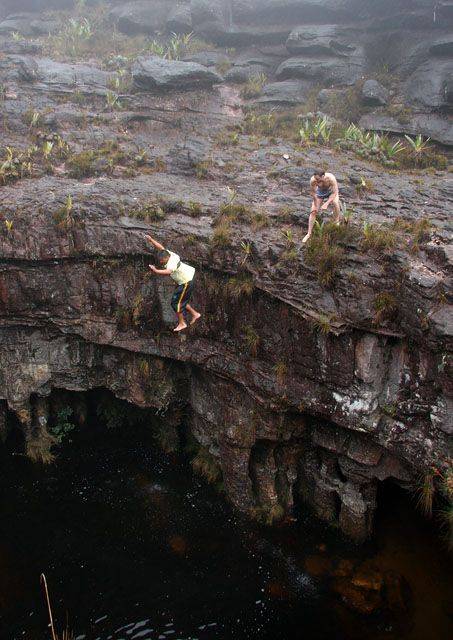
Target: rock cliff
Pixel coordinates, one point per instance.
(316, 372)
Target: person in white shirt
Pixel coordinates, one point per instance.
(183, 274)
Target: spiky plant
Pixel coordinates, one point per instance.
(240, 286)
(280, 371)
(425, 493)
(252, 340)
(207, 466)
(322, 324)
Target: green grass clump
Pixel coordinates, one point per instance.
(268, 515)
(378, 239)
(324, 251)
(222, 235)
(251, 340)
(322, 324)
(205, 465)
(240, 286)
(385, 307)
(254, 86)
(195, 209)
(419, 231)
(153, 212)
(82, 165)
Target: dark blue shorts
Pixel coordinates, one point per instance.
(324, 195)
(182, 295)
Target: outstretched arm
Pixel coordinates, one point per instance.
(160, 272)
(156, 245)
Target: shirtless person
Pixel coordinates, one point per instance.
(183, 274)
(324, 190)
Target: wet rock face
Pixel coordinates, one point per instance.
(301, 392)
(47, 75)
(167, 75)
(142, 16)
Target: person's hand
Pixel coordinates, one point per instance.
(147, 237)
(153, 268)
(325, 206)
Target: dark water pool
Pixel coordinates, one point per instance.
(135, 547)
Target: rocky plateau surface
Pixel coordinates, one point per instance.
(303, 389)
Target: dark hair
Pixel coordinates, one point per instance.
(162, 255)
(318, 172)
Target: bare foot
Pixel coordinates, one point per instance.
(181, 326)
(306, 239)
(195, 316)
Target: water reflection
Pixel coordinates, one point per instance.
(135, 547)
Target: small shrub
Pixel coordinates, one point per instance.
(281, 371)
(365, 185)
(254, 86)
(425, 493)
(322, 324)
(259, 220)
(195, 209)
(202, 169)
(153, 212)
(268, 515)
(15, 165)
(160, 166)
(63, 217)
(207, 466)
(82, 165)
(324, 253)
(316, 131)
(418, 230)
(252, 340)
(240, 286)
(32, 118)
(385, 307)
(223, 67)
(63, 425)
(222, 235)
(377, 239)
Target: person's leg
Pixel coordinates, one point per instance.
(337, 216)
(317, 202)
(182, 324)
(195, 314)
(178, 295)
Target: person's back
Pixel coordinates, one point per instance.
(181, 272)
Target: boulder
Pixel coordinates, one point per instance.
(431, 85)
(442, 46)
(291, 11)
(207, 11)
(213, 20)
(319, 40)
(325, 96)
(142, 16)
(248, 65)
(285, 93)
(168, 75)
(179, 19)
(374, 94)
(48, 75)
(208, 58)
(186, 157)
(323, 69)
(431, 125)
(243, 73)
(28, 24)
